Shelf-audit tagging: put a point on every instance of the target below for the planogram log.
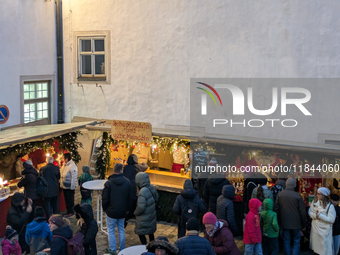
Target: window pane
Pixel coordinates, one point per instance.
(45, 106)
(39, 106)
(100, 64)
(26, 108)
(99, 45)
(45, 115)
(86, 45)
(32, 107)
(27, 95)
(26, 87)
(44, 93)
(40, 115)
(44, 86)
(38, 86)
(32, 95)
(39, 94)
(32, 87)
(86, 62)
(32, 116)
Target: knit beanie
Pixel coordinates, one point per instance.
(56, 221)
(10, 233)
(86, 169)
(291, 182)
(209, 218)
(39, 212)
(324, 191)
(193, 224)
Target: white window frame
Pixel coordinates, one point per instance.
(93, 53)
(92, 78)
(50, 79)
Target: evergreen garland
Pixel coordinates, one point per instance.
(67, 142)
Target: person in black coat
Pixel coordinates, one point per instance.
(60, 229)
(18, 216)
(89, 227)
(212, 191)
(187, 194)
(52, 175)
(225, 208)
(192, 243)
(116, 202)
(130, 170)
(336, 224)
(29, 181)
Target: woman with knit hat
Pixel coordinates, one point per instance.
(60, 229)
(219, 235)
(323, 215)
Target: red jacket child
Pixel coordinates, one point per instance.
(252, 230)
(10, 244)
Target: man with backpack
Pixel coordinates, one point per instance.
(187, 205)
(51, 174)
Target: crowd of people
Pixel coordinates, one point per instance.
(272, 217)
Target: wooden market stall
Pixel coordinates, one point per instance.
(34, 142)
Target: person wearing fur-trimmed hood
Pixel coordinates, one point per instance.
(162, 243)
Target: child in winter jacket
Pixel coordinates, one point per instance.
(270, 227)
(86, 196)
(252, 237)
(38, 235)
(10, 244)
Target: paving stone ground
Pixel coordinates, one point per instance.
(163, 229)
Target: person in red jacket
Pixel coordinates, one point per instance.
(10, 244)
(219, 235)
(252, 236)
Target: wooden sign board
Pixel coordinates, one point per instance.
(131, 131)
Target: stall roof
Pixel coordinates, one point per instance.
(11, 137)
(240, 140)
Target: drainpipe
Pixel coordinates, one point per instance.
(60, 64)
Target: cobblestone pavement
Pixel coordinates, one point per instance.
(131, 239)
(163, 229)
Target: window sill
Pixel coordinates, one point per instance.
(91, 79)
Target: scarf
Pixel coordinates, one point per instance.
(211, 234)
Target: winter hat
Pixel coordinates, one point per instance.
(291, 183)
(284, 157)
(209, 218)
(56, 221)
(187, 184)
(324, 191)
(335, 197)
(39, 212)
(193, 224)
(86, 169)
(10, 233)
(27, 164)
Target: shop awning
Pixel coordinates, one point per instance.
(14, 136)
(245, 141)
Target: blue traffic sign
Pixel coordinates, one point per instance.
(4, 114)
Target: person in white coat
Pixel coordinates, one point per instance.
(323, 215)
(69, 182)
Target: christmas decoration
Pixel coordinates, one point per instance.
(67, 142)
